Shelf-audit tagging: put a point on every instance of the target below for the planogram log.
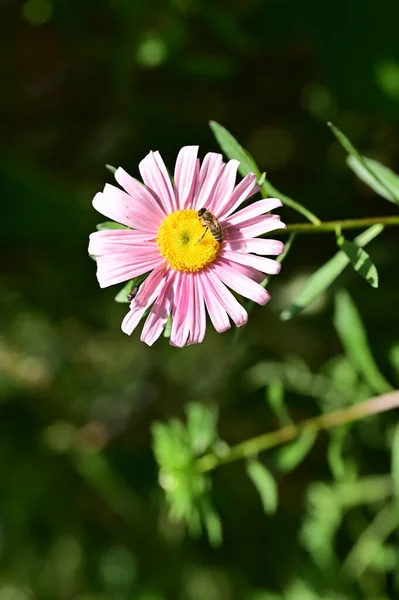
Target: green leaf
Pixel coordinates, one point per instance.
(394, 358)
(212, 523)
(110, 225)
(360, 261)
(168, 328)
(377, 176)
(291, 455)
(395, 459)
(261, 179)
(366, 169)
(352, 334)
(201, 426)
(110, 168)
(266, 485)
(122, 295)
(321, 279)
(335, 450)
(275, 399)
(233, 149)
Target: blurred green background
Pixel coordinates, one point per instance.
(89, 82)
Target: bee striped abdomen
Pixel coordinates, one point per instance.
(209, 221)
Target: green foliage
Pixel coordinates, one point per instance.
(379, 178)
(353, 337)
(122, 295)
(176, 448)
(266, 485)
(360, 261)
(321, 279)
(110, 168)
(275, 399)
(339, 466)
(395, 459)
(233, 150)
(291, 455)
(110, 225)
(394, 357)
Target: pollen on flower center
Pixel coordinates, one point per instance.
(178, 237)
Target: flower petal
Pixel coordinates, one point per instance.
(257, 245)
(216, 311)
(226, 298)
(147, 294)
(244, 190)
(119, 206)
(254, 210)
(266, 265)
(210, 171)
(116, 268)
(140, 194)
(180, 324)
(253, 227)
(240, 283)
(156, 320)
(115, 241)
(156, 177)
(185, 176)
(225, 186)
(199, 316)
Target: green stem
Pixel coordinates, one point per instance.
(344, 224)
(255, 445)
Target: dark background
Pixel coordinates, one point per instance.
(89, 82)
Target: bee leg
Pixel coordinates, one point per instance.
(202, 237)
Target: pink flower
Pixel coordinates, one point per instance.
(189, 274)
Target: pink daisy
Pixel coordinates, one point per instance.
(189, 273)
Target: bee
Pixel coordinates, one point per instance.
(132, 294)
(209, 221)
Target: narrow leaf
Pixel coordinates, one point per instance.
(352, 334)
(394, 359)
(168, 328)
(201, 426)
(122, 295)
(275, 398)
(395, 459)
(321, 279)
(335, 450)
(294, 453)
(110, 168)
(360, 261)
(110, 225)
(383, 181)
(266, 485)
(233, 149)
(373, 174)
(212, 523)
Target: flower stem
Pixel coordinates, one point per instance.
(253, 446)
(344, 224)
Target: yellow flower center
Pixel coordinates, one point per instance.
(178, 238)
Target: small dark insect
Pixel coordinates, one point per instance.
(209, 221)
(132, 294)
